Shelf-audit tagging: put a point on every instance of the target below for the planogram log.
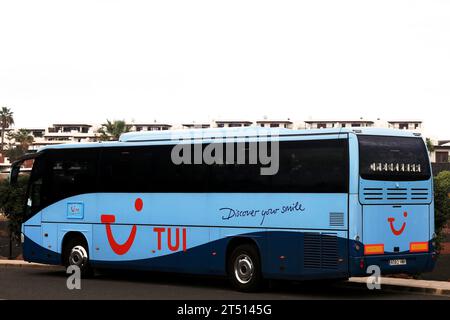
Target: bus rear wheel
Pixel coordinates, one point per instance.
(244, 268)
(76, 253)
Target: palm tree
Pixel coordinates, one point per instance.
(112, 130)
(430, 145)
(23, 138)
(6, 120)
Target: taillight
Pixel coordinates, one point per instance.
(370, 249)
(418, 247)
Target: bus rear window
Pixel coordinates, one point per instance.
(393, 158)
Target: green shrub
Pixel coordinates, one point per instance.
(441, 203)
(12, 203)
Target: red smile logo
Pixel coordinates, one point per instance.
(391, 223)
(108, 219)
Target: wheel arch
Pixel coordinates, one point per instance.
(70, 236)
(237, 241)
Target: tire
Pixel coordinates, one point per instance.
(76, 252)
(244, 268)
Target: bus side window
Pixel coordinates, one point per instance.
(71, 173)
(114, 170)
(235, 177)
(312, 166)
(149, 169)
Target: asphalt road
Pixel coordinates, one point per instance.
(29, 283)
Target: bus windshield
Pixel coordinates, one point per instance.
(34, 197)
(393, 158)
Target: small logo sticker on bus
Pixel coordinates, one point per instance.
(75, 210)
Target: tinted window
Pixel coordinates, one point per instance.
(237, 177)
(393, 158)
(304, 166)
(313, 166)
(148, 169)
(69, 173)
(36, 197)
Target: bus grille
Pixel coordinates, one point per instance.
(320, 251)
(375, 195)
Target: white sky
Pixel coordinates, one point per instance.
(179, 61)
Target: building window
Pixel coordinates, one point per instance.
(416, 126)
(37, 134)
(220, 125)
(139, 128)
(403, 126)
(442, 156)
(274, 125)
(321, 126)
(355, 125)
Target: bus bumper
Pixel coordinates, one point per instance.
(415, 264)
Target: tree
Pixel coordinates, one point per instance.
(23, 138)
(430, 145)
(12, 203)
(22, 142)
(14, 153)
(441, 203)
(112, 130)
(6, 120)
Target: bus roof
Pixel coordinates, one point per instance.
(185, 134)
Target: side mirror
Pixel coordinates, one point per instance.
(14, 174)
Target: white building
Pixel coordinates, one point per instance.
(137, 127)
(441, 152)
(232, 123)
(326, 124)
(287, 124)
(405, 124)
(194, 125)
(66, 133)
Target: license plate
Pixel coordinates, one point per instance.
(397, 262)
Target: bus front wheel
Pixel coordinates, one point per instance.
(244, 268)
(76, 253)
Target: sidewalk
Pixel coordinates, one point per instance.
(394, 284)
(409, 285)
(24, 264)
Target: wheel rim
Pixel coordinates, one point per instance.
(244, 269)
(78, 256)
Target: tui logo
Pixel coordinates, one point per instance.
(109, 219)
(395, 231)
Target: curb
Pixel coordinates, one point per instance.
(24, 264)
(439, 288)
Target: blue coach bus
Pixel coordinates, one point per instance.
(340, 201)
